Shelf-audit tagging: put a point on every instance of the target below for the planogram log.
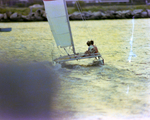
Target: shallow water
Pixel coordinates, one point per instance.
(118, 90)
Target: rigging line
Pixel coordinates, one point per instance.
(89, 30)
(81, 12)
(83, 18)
(80, 9)
(66, 51)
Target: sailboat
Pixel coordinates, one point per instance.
(57, 15)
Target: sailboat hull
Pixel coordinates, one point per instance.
(79, 57)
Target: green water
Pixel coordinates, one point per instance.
(118, 90)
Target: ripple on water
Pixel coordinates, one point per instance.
(117, 90)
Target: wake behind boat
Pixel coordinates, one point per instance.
(57, 15)
(5, 29)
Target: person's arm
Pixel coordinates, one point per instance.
(93, 50)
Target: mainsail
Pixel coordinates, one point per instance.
(57, 16)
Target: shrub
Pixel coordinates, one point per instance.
(2, 10)
(20, 5)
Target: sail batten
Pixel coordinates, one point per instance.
(58, 21)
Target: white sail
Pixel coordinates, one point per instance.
(59, 23)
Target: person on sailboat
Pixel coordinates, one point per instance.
(95, 48)
(91, 48)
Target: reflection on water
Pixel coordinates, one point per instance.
(131, 54)
(118, 90)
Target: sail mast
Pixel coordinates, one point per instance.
(69, 27)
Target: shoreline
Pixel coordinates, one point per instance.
(40, 15)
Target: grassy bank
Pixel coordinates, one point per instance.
(25, 11)
(114, 7)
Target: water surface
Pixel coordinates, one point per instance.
(118, 90)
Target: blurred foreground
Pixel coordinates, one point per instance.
(26, 91)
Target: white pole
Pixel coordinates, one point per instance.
(69, 27)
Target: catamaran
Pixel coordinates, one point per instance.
(57, 15)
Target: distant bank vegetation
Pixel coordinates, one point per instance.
(108, 8)
(23, 11)
(88, 12)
